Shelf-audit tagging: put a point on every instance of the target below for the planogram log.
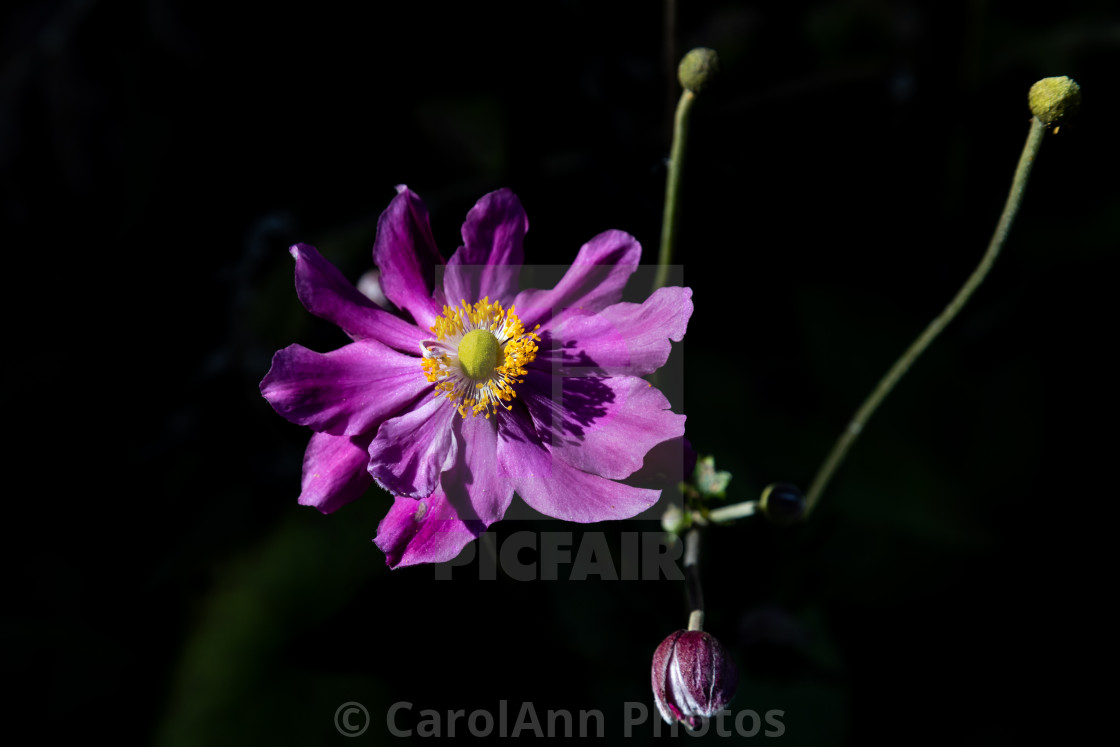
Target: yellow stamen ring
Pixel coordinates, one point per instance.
(479, 353)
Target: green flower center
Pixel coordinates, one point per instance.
(478, 354)
(491, 349)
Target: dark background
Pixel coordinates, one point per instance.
(157, 158)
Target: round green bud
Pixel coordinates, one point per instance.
(698, 69)
(478, 354)
(1054, 100)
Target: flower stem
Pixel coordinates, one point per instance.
(734, 511)
(672, 188)
(859, 420)
(692, 579)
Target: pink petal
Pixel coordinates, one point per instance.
(473, 484)
(405, 252)
(409, 452)
(334, 471)
(622, 339)
(555, 488)
(424, 531)
(326, 293)
(594, 281)
(346, 392)
(602, 426)
(489, 262)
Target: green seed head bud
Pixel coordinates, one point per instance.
(478, 354)
(698, 69)
(1054, 100)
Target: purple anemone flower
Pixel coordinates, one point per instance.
(474, 390)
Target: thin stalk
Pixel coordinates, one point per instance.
(734, 511)
(692, 579)
(672, 189)
(859, 420)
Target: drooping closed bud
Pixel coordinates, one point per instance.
(1055, 100)
(698, 69)
(693, 677)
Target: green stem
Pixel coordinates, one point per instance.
(672, 189)
(734, 511)
(1010, 208)
(692, 579)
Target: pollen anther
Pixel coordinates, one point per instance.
(479, 353)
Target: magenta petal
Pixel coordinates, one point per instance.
(623, 339)
(555, 488)
(473, 484)
(326, 293)
(334, 471)
(405, 252)
(409, 452)
(594, 281)
(489, 262)
(345, 392)
(424, 531)
(601, 426)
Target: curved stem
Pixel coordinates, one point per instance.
(672, 189)
(855, 426)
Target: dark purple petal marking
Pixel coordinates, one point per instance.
(601, 426)
(555, 488)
